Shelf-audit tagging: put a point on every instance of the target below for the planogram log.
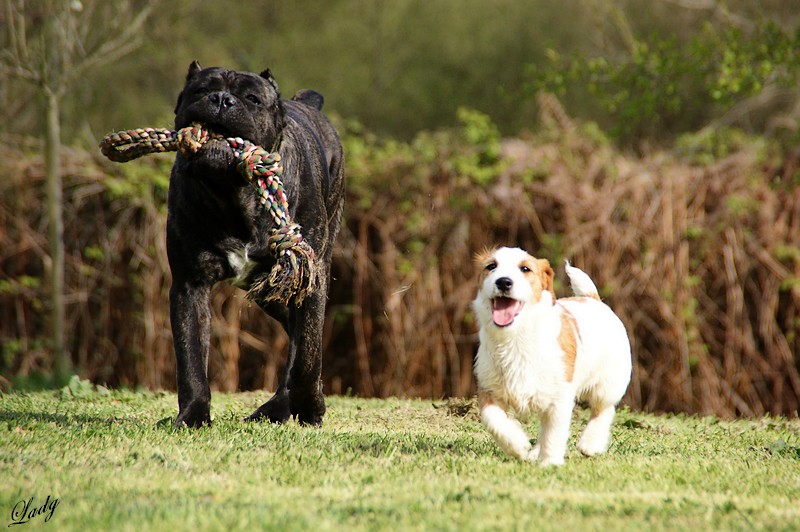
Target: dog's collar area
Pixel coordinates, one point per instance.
(504, 310)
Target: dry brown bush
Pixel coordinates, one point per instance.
(701, 263)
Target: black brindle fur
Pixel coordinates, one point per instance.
(215, 221)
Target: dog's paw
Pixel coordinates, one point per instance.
(309, 408)
(276, 410)
(551, 461)
(588, 447)
(195, 415)
(532, 454)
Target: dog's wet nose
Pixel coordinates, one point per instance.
(222, 99)
(504, 284)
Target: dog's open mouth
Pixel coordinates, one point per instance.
(504, 310)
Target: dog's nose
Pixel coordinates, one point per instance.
(504, 284)
(222, 99)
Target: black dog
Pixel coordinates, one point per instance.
(217, 230)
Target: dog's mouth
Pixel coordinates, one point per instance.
(217, 130)
(223, 126)
(504, 310)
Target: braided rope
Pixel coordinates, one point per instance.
(294, 275)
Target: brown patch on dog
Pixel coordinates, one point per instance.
(581, 299)
(568, 342)
(484, 399)
(539, 275)
(483, 259)
(547, 275)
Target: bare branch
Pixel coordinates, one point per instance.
(115, 48)
(14, 70)
(770, 94)
(58, 53)
(14, 59)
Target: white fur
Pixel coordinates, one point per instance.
(242, 266)
(581, 284)
(521, 366)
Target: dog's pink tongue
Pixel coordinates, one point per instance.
(504, 310)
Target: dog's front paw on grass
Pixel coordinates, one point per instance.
(549, 461)
(592, 448)
(532, 454)
(195, 415)
(276, 410)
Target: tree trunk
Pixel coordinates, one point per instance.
(55, 232)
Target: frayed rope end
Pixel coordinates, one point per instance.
(294, 276)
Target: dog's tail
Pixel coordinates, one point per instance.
(582, 285)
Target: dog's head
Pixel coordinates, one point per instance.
(233, 104)
(511, 282)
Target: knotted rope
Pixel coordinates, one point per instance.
(294, 275)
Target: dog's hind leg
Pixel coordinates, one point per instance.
(276, 410)
(597, 434)
(190, 314)
(306, 400)
(507, 432)
(299, 390)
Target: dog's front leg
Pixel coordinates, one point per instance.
(299, 390)
(276, 410)
(555, 432)
(190, 313)
(507, 432)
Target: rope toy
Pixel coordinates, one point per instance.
(294, 275)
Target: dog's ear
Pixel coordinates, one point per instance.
(310, 98)
(546, 271)
(267, 75)
(194, 68)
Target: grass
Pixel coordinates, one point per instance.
(113, 461)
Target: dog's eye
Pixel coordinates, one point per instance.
(524, 269)
(491, 266)
(252, 98)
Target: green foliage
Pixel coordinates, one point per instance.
(471, 151)
(78, 388)
(145, 180)
(743, 64)
(666, 86)
(406, 66)
(710, 145)
(398, 67)
(787, 253)
(115, 462)
(481, 161)
(19, 285)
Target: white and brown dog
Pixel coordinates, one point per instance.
(541, 355)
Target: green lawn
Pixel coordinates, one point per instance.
(113, 461)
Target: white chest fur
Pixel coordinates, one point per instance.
(524, 368)
(241, 265)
